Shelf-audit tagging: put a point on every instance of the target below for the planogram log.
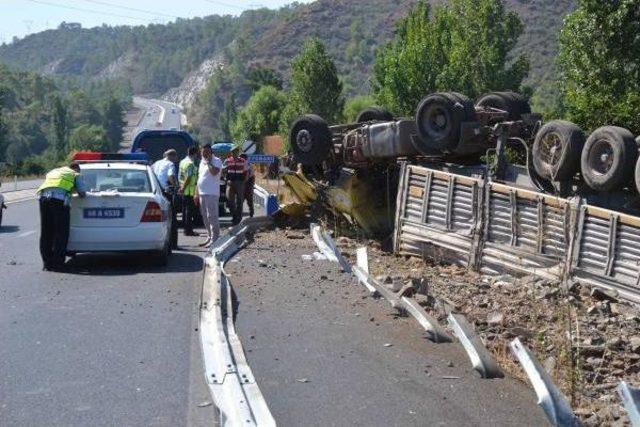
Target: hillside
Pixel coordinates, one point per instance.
(157, 58)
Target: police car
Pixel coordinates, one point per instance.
(124, 209)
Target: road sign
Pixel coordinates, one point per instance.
(249, 147)
(261, 158)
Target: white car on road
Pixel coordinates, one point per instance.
(124, 209)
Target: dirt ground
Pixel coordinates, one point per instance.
(586, 338)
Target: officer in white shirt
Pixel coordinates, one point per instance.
(208, 193)
(165, 171)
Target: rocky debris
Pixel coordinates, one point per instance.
(586, 338)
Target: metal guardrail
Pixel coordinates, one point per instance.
(480, 358)
(328, 247)
(229, 377)
(494, 227)
(551, 400)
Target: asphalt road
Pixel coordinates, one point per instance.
(112, 342)
(154, 109)
(324, 353)
(9, 185)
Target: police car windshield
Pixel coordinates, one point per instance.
(121, 180)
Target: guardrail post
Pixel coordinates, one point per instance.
(15, 182)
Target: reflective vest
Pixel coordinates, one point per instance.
(63, 178)
(236, 168)
(187, 169)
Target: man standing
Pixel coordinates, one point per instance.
(165, 171)
(54, 197)
(249, 185)
(188, 177)
(208, 193)
(236, 178)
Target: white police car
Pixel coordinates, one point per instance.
(124, 209)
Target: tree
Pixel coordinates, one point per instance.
(600, 63)
(261, 76)
(463, 47)
(88, 138)
(315, 85)
(114, 123)
(260, 116)
(60, 125)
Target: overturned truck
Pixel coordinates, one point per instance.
(485, 185)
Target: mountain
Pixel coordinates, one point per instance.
(156, 58)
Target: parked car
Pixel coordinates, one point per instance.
(124, 209)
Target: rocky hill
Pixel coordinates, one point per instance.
(158, 58)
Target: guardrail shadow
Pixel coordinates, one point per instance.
(113, 264)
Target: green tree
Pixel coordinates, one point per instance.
(315, 85)
(355, 105)
(261, 76)
(260, 116)
(88, 138)
(600, 63)
(60, 125)
(114, 123)
(461, 47)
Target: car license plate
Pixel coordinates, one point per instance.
(103, 213)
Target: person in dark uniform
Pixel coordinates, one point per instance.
(54, 197)
(236, 178)
(249, 184)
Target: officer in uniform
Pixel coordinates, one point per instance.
(54, 197)
(164, 169)
(236, 168)
(188, 178)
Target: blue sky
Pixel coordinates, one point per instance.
(21, 17)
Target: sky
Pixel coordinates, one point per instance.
(21, 17)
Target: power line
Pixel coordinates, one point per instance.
(81, 9)
(219, 3)
(133, 9)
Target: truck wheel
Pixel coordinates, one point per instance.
(513, 103)
(374, 114)
(310, 139)
(556, 150)
(438, 119)
(608, 158)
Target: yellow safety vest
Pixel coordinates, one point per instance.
(63, 178)
(188, 169)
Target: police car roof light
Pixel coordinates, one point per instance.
(91, 156)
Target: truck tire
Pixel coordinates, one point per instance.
(374, 114)
(513, 103)
(438, 119)
(310, 139)
(556, 150)
(608, 158)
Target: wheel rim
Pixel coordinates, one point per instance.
(304, 141)
(436, 122)
(601, 157)
(551, 149)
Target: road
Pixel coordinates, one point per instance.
(324, 353)
(158, 114)
(112, 342)
(9, 185)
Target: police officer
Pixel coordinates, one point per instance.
(188, 178)
(236, 168)
(164, 169)
(54, 197)
(249, 184)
